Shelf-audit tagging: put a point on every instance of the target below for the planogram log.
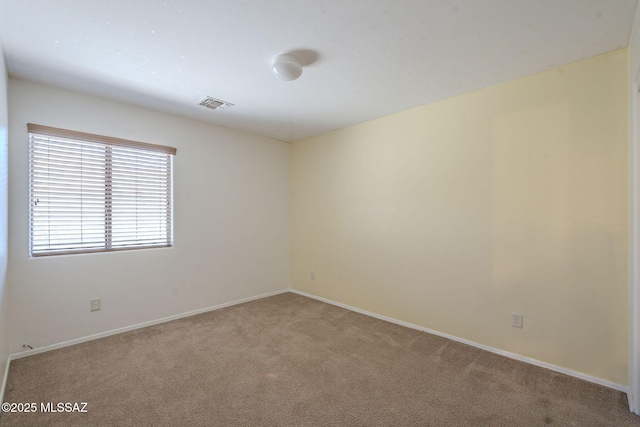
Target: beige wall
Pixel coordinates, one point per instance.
(231, 223)
(455, 214)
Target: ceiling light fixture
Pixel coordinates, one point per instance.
(286, 67)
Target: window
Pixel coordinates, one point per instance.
(91, 193)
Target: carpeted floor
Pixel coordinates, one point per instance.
(288, 360)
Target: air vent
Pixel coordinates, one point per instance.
(215, 104)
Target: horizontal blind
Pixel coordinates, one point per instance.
(88, 196)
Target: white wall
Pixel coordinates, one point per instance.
(231, 223)
(4, 306)
(634, 184)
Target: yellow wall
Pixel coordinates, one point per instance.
(455, 214)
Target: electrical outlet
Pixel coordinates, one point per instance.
(312, 276)
(516, 320)
(95, 304)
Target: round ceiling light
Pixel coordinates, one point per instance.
(286, 67)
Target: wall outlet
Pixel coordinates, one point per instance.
(95, 304)
(516, 320)
(312, 275)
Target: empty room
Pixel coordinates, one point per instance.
(320, 213)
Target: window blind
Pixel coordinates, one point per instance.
(90, 193)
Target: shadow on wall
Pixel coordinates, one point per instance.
(558, 234)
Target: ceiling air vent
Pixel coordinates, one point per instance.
(215, 104)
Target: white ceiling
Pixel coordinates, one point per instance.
(367, 58)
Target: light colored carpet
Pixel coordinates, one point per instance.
(288, 360)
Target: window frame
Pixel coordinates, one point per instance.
(109, 143)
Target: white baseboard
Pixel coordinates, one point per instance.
(38, 350)
(508, 354)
